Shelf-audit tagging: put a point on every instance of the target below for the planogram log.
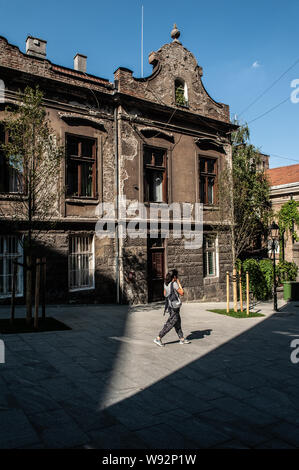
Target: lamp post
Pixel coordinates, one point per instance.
(274, 235)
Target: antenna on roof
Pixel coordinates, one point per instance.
(142, 41)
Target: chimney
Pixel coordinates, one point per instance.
(36, 47)
(80, 62)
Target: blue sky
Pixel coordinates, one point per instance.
(242, 48)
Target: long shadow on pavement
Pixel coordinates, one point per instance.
(242, 394)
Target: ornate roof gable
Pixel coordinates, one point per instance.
(173, 65)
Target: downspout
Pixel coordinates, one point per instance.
(117, 276)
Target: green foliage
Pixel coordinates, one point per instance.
(261, 276)
(258, 284)
(180, 95)
(237, 314)
(288, 216)
(266, 267)
(287, 271)
(245, 203)
(238, 264)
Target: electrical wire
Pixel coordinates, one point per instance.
(269, 88)
(269, 110)
(284, 158)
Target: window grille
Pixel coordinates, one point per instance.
(10, 250)
(81, 263)
(210, 256)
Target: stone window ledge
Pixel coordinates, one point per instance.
(82, 201)
(211, 279)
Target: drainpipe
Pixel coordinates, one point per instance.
(116, 206)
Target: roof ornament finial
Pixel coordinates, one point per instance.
(175, 33)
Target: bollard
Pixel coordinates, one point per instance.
(227, 291)
(235, 289)
(241, 293)
(247, 292)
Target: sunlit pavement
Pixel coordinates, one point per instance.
(105, 384)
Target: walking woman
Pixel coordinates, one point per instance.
(172, 291)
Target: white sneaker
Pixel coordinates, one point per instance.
(159, 342)
(184, 341)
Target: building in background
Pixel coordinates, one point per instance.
(284, 185)
(159, 139)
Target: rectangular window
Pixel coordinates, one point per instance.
(81, 166)
(81, 263)
(11, 169)
(207, 179)
(155, 175)
(210, 256)
(10, 251)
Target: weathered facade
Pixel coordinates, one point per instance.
(159, 139)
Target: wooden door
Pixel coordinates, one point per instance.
(156, 273)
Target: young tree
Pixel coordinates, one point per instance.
(35, 156)
(243, 194)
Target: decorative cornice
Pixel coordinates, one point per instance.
(83, 119)
(210, 142)
(161, 133)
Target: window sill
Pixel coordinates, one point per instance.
(81, 289)
(210, 207)
(82, 200)
(13, 196)
(8, 296)
(184, 106)
(147, 204)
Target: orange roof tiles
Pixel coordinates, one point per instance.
(283, 175)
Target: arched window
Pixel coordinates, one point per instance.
(181, 92)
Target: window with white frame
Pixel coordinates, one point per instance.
(81, 262)
(210, 256)
(10, 250)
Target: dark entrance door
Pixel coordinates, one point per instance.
(156, 269)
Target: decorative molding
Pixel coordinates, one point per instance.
(209, 142)
(147, 131)
(79, 119)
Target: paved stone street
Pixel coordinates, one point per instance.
(105, 384)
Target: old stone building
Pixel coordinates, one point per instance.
(159, 139)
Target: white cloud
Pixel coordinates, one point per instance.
(256, 64)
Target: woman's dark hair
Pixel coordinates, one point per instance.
(175, 273)
(168, 278)
(170, 275)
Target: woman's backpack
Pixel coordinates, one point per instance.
(174, 300)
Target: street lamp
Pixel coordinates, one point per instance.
(274, 236)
